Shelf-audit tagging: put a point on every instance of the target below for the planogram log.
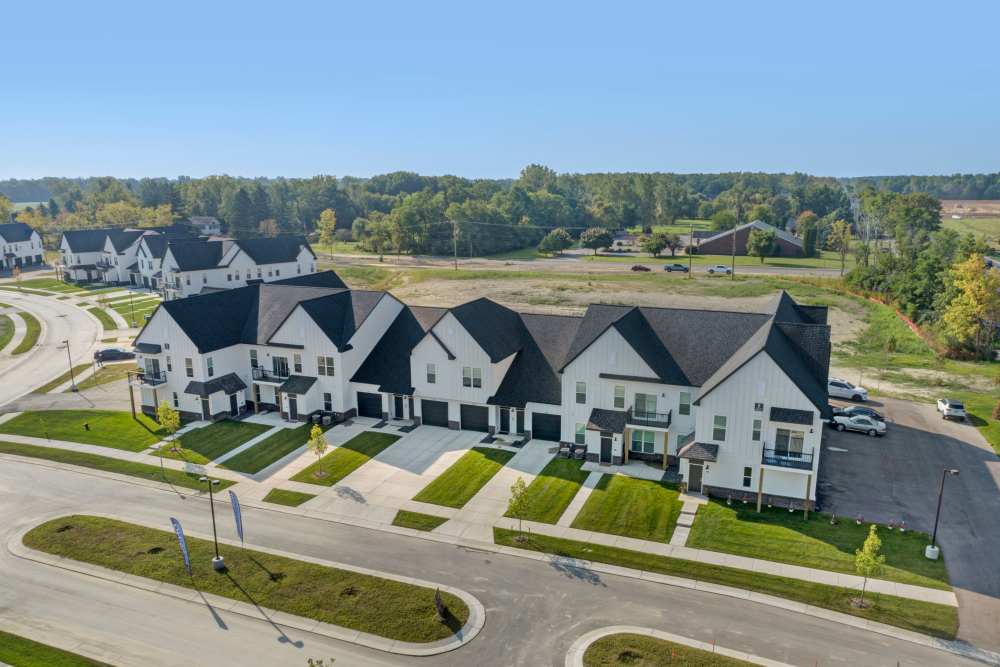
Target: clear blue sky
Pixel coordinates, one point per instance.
(481, 89)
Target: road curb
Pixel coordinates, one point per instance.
(574, 656)
(468, 632)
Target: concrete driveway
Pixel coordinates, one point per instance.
(897, 478)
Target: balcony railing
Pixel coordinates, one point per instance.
(787, 459)
(152, 379)
(265, 375)
(652, 419)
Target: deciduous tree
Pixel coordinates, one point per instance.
(869, 561)
(317, 445)
(760, 243)
(327, 226)
(595, 238)
(971, 318)
(555, 241)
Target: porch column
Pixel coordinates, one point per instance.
(760, 489)
(625, 444)
(809, 479)
(666, 448)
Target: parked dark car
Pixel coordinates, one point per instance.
(639, 267)
(113, 354)
(855, 410)
(670, 268)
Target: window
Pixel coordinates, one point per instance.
(204, 279)
(170, 364)
(211, 366)
(277, 272)
(297, 360)
(325, 365)
(328, 402)
(166, 346)
(432, 376)
(472, 377)
(188, 367)
(758, 407)
(645, 404)
(719, 428)
(747, 476)
(279, 365)
(269, 273)
(643, 441)
(620, 397)
(176, 401)
(253, 359)
(581, 392)
(187, 279)
(581, 434)
(788, 443)
(466, 376)
(684, 408)
(229, 277)
(259, 272)
(755, 436)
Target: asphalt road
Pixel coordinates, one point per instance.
(897, 477)
(534, 610)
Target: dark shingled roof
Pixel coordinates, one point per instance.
(699, 451)
(230, 383)
(198, 254)
(321, 279)
(388, 364)
(156, 244)
(87, 240)
(339, 314)
(763, 226)
(297, 384)
(274, 250)
(606, 420)
(15, 232)
(121, 239)
(533, 376)
(792, 416)
(496, 328)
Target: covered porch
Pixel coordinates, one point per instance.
(622, 437)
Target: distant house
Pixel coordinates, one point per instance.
(205, 225)
(20, 246)
(786, 243)
(625, 241)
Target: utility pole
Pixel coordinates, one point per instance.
(454, 243)
(131, 307)
(739, 215)
(218, 563)
(69, 358)
(690, 258)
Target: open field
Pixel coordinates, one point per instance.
(825, 260)
(988, 228)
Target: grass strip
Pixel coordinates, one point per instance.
(551, 492)
(269, 450)
(108, 464)
(106, 428)
(631, 507)
(107, 373)
(6, 331)
(287, 498)
(926, 617)
(464, 478)
(646, 651)
(34, 330)
(102, 316)
(417, 520)
(19, 651)
(776, 534)
(352, 600)
(346, 458)
(49, 386)
(205, 444)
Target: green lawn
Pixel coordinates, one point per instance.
(107, 373)
(50, 284)
(346, 458)
(826, 260)
(33, 292)
(6, 331)
(988, 228)
(646, 651)
(22, 652)
(137, 310)
(205, 444)
(551, 492)
(269, 450)
(118, 430)
(107, 322)
(287, 498)
(631, 507)
(383, 607)
(463, 479)
(34, 329)
(926, 617)
(778, 535)
(49, 386)
(108, 464)
(417, 521)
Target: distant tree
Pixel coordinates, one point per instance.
(260, 204)
(763, 213)
(595, 238)
(673, 243)
(840, 240)
(317, 445)
(555, 241)
(654, 243)
(343, 235)
(536, 177)
(6, 207)
(241, 216)
(809, 236)
(869, 560)
(806, 219)
(518, 504)
(268, 228)
(327, 225)
(761, 243)
(969, 319)
(723, 220)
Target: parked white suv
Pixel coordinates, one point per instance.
(858, 423)
(951, 409)
(844, 389)
(720, 268)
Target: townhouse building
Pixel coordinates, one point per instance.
(733, 402)
(20, 246)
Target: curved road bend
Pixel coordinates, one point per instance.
(534, 611)
(61, 321)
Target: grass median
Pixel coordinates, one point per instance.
(551, 492)
(631, 507)
(346, 458)
(205, 444)
(32, 331)
(417, 520)
(19, 651)
(646, 651)
(107, 322)
(372, 604)
(6, 331)
(49, 386)
(145, 471)
(107, 428)
(287, 498)
(925, 617)
(106, 374)
(463, 479)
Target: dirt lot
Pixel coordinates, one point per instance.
(971, 208)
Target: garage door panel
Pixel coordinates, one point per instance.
(434, 413)
(546, 426)
(475, 418)
(369, 405)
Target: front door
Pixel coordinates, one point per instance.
(234, 406)
(694, 477)
(605, 448)
(520, 421)
(504, 420)
(293, 407)
(397, 406)
(206, 413)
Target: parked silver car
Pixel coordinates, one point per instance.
(859, 423)
(720, 268)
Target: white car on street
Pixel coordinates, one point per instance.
(720, 268)
(844, 389)
(858, 423)
(951, 409)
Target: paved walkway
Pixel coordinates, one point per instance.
(684, 522)
(580, 498)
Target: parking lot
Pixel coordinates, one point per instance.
(896, 478)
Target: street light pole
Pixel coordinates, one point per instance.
(933, 551)
(218, 563)
(69, 358)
